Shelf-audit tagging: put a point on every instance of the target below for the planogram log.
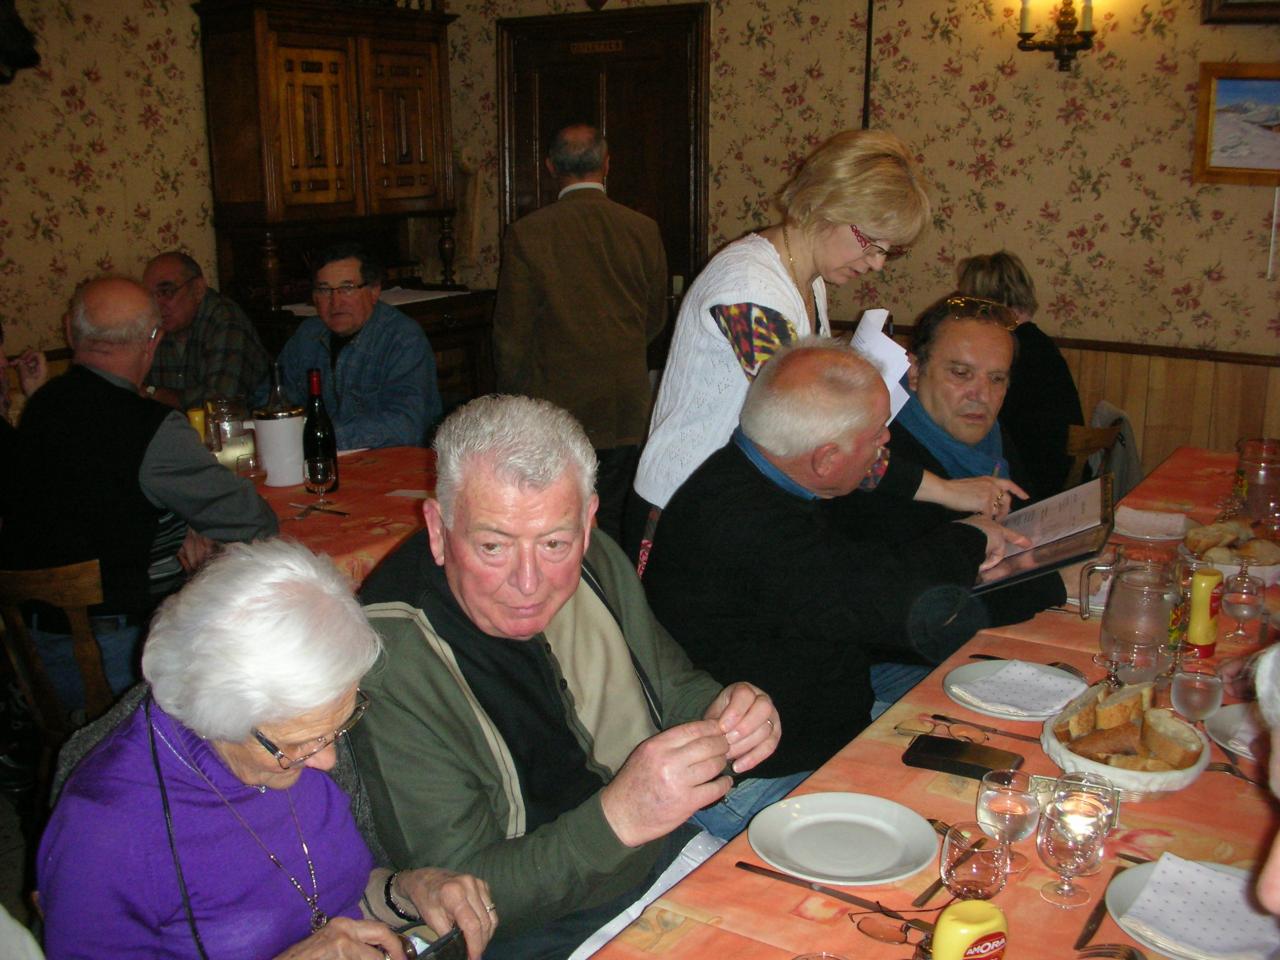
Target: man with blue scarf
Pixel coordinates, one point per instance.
(961, 353)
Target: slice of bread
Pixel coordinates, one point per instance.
(1125, 705)
(1166, 736)
(1144, 763)
(1200, 539)
(1079, 717)
(1263, 552)
(1125, 739)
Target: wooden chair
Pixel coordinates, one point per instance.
(1083, 442)
(73, 588)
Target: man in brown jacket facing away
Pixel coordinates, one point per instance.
(581, 293)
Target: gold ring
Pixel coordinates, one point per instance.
(491, 907)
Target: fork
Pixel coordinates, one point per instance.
(1219, 767)
(1113, 951)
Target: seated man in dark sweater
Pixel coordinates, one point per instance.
(750, 576)
(961, 354)
(103, 472)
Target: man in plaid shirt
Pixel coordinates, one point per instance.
(210, 348)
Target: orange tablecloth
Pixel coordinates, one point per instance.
(382, 490)
(720, 911)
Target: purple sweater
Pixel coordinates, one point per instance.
(106, 876)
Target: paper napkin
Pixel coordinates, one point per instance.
(1199, 912)
(1018, 689)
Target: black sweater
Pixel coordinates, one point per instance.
(756, 584)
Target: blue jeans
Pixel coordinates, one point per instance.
(118, 642)
(890, 682)
(730, 816)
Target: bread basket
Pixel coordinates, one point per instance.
(1134, 785)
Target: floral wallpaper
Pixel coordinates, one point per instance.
(1085, 174)
(103, 160)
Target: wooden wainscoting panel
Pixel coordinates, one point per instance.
(1238, 396)
(1091, 380)
(1271, 407)
(1125, 385)
(1178, 407)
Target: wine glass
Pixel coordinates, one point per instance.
(1196, 691)
(971, 866)
(321, 475)
(1242, 599)
(1008, 810)
(1077, 783)
(1070, 843)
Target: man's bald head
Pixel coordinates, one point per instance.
(578, 152)
(813, 392)
(113, 310)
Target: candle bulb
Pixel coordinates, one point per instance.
(1025, 23)
(1086, 22)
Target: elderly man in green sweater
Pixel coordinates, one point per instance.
(531, 722)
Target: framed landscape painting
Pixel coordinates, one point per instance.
(1238, 124)
(1240, 11)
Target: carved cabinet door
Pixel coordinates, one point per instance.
(404, 125)
(316, 147)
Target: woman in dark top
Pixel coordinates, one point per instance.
(1042, 400)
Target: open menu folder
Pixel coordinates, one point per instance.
(1070, 526)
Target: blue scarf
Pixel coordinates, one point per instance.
(958, 459)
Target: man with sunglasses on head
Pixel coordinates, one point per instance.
(210, 348)
(961, 353)
(103, 472)
(377, 371)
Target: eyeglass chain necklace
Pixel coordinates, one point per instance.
(318, 917)
(806, 297)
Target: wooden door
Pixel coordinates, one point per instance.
(314, 101)
(403, 124)
(638, 74)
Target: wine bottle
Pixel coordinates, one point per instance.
(318, 439)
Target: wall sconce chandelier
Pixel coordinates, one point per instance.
(1067, 41)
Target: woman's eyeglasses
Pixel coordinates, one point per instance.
(305, 751)
(925, 724)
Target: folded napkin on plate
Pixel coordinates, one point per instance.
(1150, 523)
(1019, 689)
(1190, 908)
(1246, 733)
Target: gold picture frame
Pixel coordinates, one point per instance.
(1238, 124)
(1240, 11)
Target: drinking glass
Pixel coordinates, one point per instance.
(971, 866)
(1008, 810)
(321, 475)
(1070, 841)
(1242, 599)
(1196, 691)
(1077, 783)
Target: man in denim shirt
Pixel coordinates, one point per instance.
(376, 367)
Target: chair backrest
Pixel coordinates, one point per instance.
(1083, 442)
(73, 588)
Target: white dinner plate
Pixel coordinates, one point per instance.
(984, 668)
(1126, 886)
(1139, 532)
(843, 838)
(1222, 726)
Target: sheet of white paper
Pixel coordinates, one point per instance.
(890, 359)
(1058, 516)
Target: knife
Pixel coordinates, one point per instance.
(315, 509)
(922, 925)
(1094, 920)
(985, 729)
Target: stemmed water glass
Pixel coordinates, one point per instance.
(321, 476)
(1008, 810)
(1196, 691)
(1070, 839)
(1242, 599)
(1077, 783)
